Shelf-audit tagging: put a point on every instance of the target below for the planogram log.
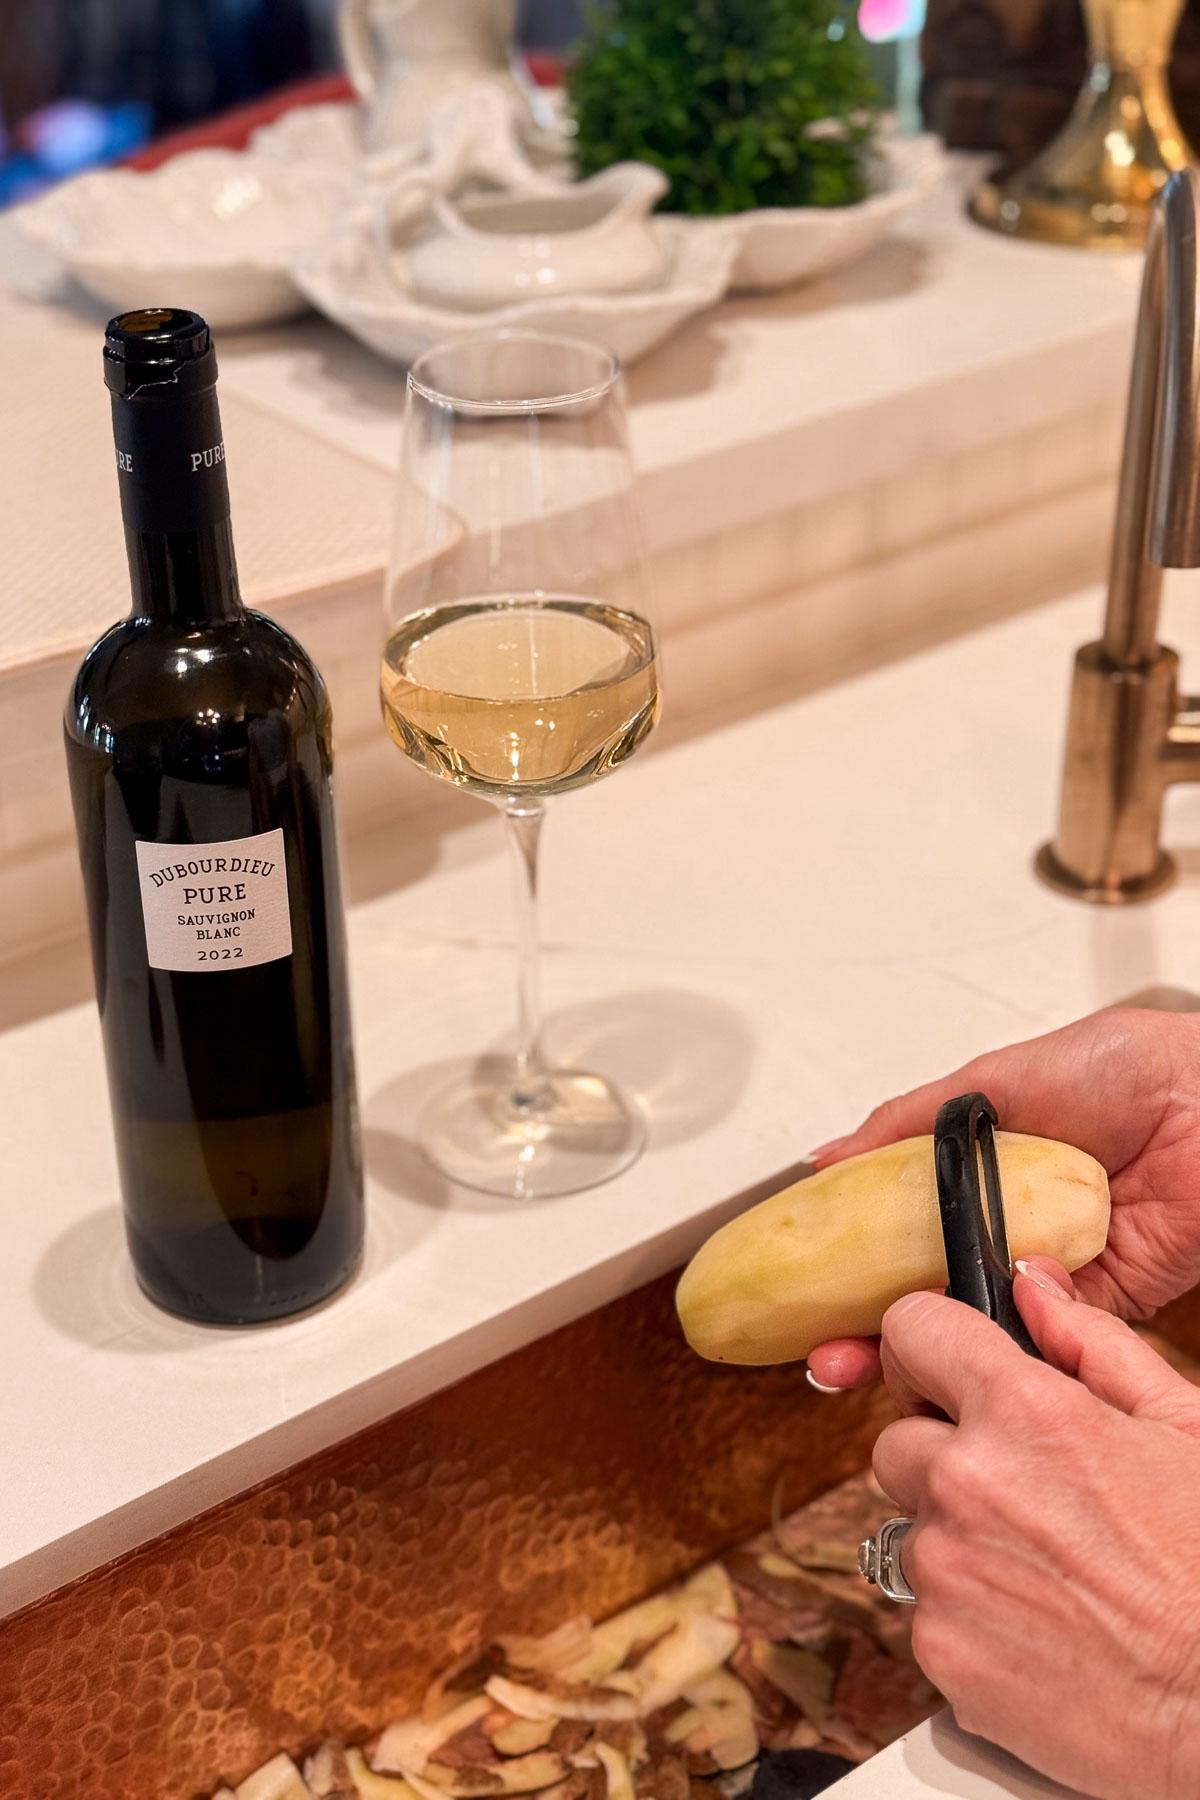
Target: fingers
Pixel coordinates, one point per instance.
(938, 1351)
(1060, 1086)
(912, 1114)
(1102, 1283)
(903, 1454)
(1106, 1356)
(845, 1363)
(1035, 1266)
(903, 1390)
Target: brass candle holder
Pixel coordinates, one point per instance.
(1095, 184)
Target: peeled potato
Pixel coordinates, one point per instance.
(826, 1257)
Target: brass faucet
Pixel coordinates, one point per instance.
(1129, 733)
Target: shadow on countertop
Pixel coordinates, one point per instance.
(686, 1057)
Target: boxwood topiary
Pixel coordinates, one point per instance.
(722, 95)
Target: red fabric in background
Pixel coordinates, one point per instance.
(233, 130)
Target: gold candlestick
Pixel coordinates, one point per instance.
(1095, 183)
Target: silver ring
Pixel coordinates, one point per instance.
(879, 1560)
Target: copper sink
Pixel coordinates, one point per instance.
(573, 1476)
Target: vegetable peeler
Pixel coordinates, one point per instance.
(980, 1270)
(977, 1255)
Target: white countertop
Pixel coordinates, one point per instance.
(944, 340)
(763, 931)
(939, 1759)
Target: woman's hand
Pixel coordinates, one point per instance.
(1053, 1557)
(1123, 1085)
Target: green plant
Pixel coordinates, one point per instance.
(723, 96)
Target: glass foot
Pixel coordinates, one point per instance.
(572, 1131)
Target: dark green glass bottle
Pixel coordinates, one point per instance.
(198, 748)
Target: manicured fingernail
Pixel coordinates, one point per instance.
(824, 1151)
(1040, 1279)
(820, 1385)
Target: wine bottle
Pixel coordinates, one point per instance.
(198, 749)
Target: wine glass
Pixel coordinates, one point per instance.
(520, 663)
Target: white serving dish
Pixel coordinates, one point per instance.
(212, 230)
(327, 138)
(591, 237)
(349, 280)
(781, 245)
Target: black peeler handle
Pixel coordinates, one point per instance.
(977, 1256)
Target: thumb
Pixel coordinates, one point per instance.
(1102, 1353)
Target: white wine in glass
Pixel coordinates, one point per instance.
(536, 693)
(520, 662)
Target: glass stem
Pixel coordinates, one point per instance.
(524, 822)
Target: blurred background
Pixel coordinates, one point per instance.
(84, 82)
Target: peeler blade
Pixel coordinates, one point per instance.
(975, 1236)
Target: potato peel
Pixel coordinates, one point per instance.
(368, 1785)
(589, 1704)
(519, 1736)
(411, 1742)
(618, 1780)
(553, 1653)
(802, 1676)
(612, 1641)
(278, 1779)
(751, 1652)
(520, 1775)
(699, 1644)
(328, 1773)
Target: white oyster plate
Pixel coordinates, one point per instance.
(212, 230)
(348, 280)
(327, 138)
(785, 244)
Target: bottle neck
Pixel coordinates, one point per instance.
(175, 503)
(184, 576)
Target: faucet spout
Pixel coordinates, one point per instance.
(1125, 739)
(1158, 497)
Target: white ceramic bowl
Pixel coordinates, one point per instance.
(781, 245)
(328, 138)
(212, 230)
(346, 278)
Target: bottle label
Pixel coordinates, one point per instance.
(170, 460)
(215, 906)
